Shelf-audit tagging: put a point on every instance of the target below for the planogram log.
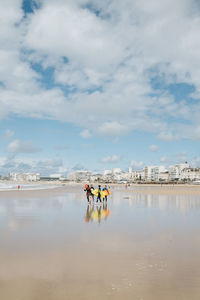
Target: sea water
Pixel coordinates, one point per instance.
(25, 186)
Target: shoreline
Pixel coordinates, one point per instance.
(72, 187)
(66, 183)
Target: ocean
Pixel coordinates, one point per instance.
(5, 186)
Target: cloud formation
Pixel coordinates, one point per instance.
(136, 164)
(16, 147)
(85, 134)
(111, 159)
(9, 134)
(153, 148)
(44, 167)
(113, 64)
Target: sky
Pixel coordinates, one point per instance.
(89, 84)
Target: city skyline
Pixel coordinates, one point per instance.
(98, 84)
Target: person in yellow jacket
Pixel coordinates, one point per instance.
(99, 194)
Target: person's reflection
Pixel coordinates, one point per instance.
(88, 214)
(97, 213)
(105, 212)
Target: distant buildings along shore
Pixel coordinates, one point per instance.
(155, 174)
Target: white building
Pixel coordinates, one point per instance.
(155, 171)
(190, 174)
(31, 177)
(24, 176)
(124, 176)
(95, 177)
(183, 166)
(163, 176)
(80, 176)
(175, 171)
(138, 175)
(149, 173)
(107, 176)
(107, 172)
(116, 171)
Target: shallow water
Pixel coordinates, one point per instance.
(143, 246)
(8, 186)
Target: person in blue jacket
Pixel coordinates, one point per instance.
(105, 189)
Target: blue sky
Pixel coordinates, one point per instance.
(98, 84)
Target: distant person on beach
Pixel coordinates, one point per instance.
(99, 194)
(106, 196)
(92, 189)
(88, 192)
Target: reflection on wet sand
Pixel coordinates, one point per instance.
(147, 249)
(182, 203)
(97, 213)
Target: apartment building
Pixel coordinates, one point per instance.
(175, 171)
(190, 174)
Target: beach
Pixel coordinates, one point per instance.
(143, 244)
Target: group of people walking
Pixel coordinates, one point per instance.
(91, 192)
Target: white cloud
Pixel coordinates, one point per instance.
(153, 148)
(111, 159)
(85, 134)
(168, 137)
(112, 129)
(164, 159)
(113, 58)
(18, 146)
(44, 167)
(63, 29)
(175, 158)
(9, 134)
(137, 164)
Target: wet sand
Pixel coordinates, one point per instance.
(144, 244)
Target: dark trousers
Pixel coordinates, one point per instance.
(88, 197)
(99, 197)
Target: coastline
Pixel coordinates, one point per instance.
(70, 187)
